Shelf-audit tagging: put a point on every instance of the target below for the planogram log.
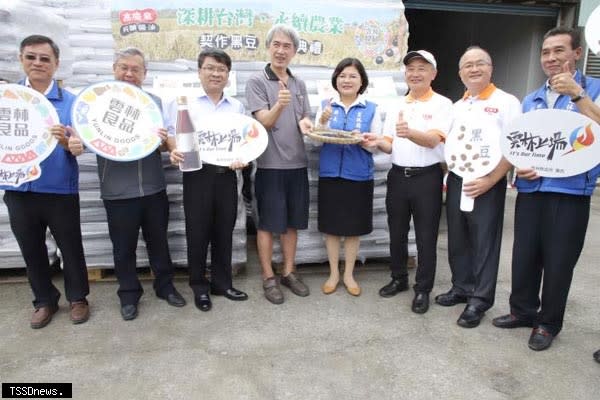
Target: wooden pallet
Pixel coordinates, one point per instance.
(13, 275)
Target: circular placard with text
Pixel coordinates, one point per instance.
(556, 143)
(117, 120)
(227, 137)
(25, 119)
(592, 31)
(472, 150)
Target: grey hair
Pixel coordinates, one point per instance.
(130, 52)
(287, 31)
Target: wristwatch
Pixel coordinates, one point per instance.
(580, 96)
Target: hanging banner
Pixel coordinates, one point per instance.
(376, 32)
(25, 119)
(227, 137)
(556, 143)
(117, 120)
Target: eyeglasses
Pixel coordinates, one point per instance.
(33, 57)
(211, 69)
(478, 64)
(133, 70)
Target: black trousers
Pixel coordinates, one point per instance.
(210, 201)
(550, 231)
(125, 218)
(30, 215)
(419, 196)
(474, 240)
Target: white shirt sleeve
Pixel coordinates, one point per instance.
(376, 124)
(389, 126)
(169, 113)
(318, 117)
(513, 110)
(442, 118)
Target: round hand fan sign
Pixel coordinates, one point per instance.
(117, 120)
(25, 119)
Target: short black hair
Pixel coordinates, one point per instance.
(217, 54)
(563, 30)
(40, 39)
(351, 62)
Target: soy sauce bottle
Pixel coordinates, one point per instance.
(185, 135)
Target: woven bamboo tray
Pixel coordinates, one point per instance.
(334, 136)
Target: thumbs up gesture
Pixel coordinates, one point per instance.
(284, 97)
(564, 83)
(75, 144)
(326, 115)
(401, 126)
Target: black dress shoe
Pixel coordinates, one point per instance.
(540, 339)
(396, 286)
(420, 303)
(510, 321)
(450, 298)
(597, 356)
(174, 299)
(129, 312)
(203, 302)
(231, 294)
(470, 317)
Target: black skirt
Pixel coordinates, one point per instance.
(345, 207)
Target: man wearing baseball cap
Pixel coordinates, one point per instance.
(414, 131)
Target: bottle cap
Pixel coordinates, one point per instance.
(182, 100)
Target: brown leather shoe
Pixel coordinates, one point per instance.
(80, 311)
(294, 282)
(272, 290)
(42, 316)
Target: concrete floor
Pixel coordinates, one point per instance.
(319, 347)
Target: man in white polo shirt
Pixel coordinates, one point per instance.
(474, 238)
(414, 132)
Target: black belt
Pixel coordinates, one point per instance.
(413, 171)
(217, 169)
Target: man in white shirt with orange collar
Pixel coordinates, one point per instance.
(474, 238)
(414, 132)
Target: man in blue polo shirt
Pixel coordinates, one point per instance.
(548, 210)
(52, 201)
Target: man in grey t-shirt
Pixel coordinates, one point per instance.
(279, 101)
(135, 197)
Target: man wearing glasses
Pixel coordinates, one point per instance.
(474, 238)
(210, 197)
(134, 195)
(52, 201)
